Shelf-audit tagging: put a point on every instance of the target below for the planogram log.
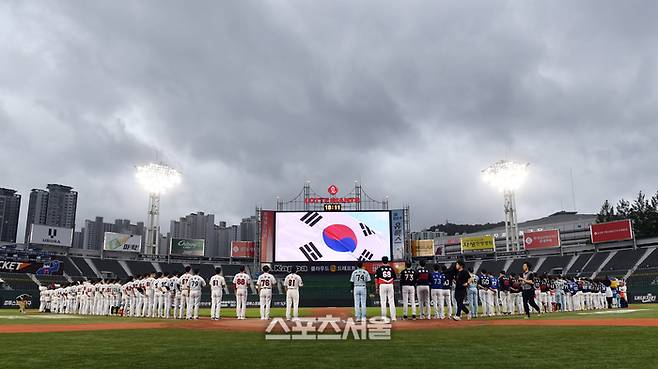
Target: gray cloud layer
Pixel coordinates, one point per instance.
(251, 98)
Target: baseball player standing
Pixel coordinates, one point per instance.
(423, 290)
(184, 291)
(196, 283)
(292, 282)
(241, 283)
(217, 284)
(408, 282)
(264, 286)
(384, 278)
(359, 279)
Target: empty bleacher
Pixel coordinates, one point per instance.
(110, 265)
(594, 263)
(517, 265)
(69, 267)
(140, 267)
(554, 262)
(172, 267)
(205, 270)
(47, 280)
(230, 269)
(651, 261)
(84, 267)
(623, 261)
(492, 266)
(18, 281)
(578, 265)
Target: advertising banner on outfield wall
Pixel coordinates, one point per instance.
(54, 236)
(422, 248)
(8, 298)
(397, 233)
(187, 247)
(621, 230)
(243, 249)
(266, 236)
(122, 242)
(477, 243)
(53, 267)
(541, 239)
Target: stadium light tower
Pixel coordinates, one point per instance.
(156, 179)
(508, 176)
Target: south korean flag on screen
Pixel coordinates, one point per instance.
(332, 236)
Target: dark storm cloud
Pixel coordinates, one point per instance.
(249, 99)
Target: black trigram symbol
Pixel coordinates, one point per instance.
(366, 231)
(52, 232)
(310, 251)
(311, 218)
(365, 255)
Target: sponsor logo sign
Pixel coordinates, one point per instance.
(122, 242)
(187, 247)
(34, 267)
(397, 233)
(645, 299)
(242, 249)
(541, 239)
(47, 235)
(477, 243)
(422, 247)
(620, 230)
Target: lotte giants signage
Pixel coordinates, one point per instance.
(243, 249)
(621, 230)
(541, 239)
(332, 190)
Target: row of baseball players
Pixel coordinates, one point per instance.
(155, 295)
(501, 295)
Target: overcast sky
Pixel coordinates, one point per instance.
(251, 98)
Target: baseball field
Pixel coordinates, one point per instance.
(605, 339)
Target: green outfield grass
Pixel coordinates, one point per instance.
(463, 347)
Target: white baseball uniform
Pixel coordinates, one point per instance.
(217, 284)
(196, 283)
(292, 282)
(265, 283)
(184, 294)
(241, 282)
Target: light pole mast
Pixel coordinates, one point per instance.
(156, 179)
(508, 176)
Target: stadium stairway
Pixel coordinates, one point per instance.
(598, 270)
(539, 263)
(92, 266)
(639, 262)
(570, 264)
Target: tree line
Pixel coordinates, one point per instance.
(642, 211)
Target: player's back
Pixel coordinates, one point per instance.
(241, 280)
(292, 281)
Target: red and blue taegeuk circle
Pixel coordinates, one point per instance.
(339, 237)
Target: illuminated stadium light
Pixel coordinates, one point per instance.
(156, 179)
(508, 176)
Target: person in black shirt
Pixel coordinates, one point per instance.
(528, 290)
(462, 279)
(423, 290)
(384, 278)
(408, 279)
